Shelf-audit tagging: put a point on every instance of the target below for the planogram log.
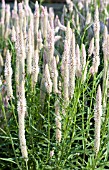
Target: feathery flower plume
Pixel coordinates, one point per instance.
(3, 7)
(8, 75)
(54, 75)
(78, 62)
(1, 63)
(21, 108)
(29, 53)
(7, 10)
(96, 59)
(25, 29)
(97, 118)
(26, 2)
(48, 82)
(88, 18)
(83, 62)
(35, 68)
(68, 34)
(51, 17)
(70, 5)
(22, 56)
(72, 67)
(36, 22)
(50, 42)
(51, 153)
(7, 20)
(27, 12)
(21, 15)
(13, 34)
(15, 5)
(105, 45)
(14, 11)
(17, 47)
(58, 122)
(21, 97)
(64, 12)
(39, 40)
(62, 27)
(91, 47)
(80, 5)
(106, 65)
(3, 17)
(32, 33)
(44, 22)
(65, 70)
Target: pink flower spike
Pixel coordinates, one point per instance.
(3, 4)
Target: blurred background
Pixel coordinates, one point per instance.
(45, 1)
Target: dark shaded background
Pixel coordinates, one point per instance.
(46, 1)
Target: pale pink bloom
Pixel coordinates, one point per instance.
(51, 17)
(51, 153)
(78, 62)
(65, 71)
(36, 19)
(48, 82)
(58, 121)
(96, 58)
(97, 118)
(72, 66)
(44, 21)
(39, 40)
(50, 44)
(88, 18)
(57, 38)
(3, 4)
(54, 75)
(8, 75)
(30, 52)
(15, 5)
(91, 47)
(80, 5)
(83, 62)
(1, 60)
(35, 68)
(13, 34)
(62, 27)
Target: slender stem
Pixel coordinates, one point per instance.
(26, 161)
(48, 128)
(83, 134)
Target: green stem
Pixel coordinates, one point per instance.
(83, 134)
(48, 129)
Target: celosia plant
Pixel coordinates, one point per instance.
(54, 80)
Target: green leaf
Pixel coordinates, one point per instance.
(8, 160)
